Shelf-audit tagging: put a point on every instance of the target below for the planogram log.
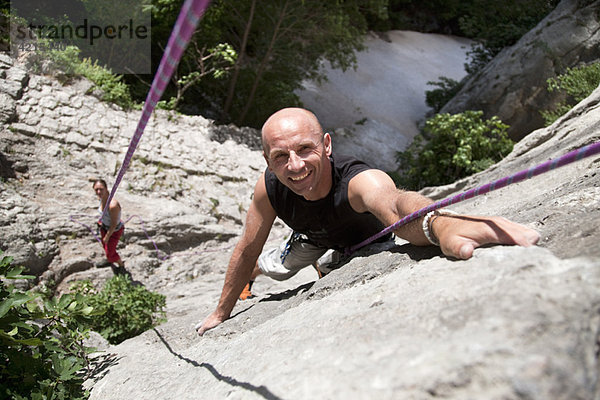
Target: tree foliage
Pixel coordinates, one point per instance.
(457, 146)
(576, 84)
(42, 353)
(275, 45)
(123, 309)
(447, 89)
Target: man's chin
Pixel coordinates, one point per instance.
(300, 190)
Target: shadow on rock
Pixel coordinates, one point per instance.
(100, 365)
(6, 168)
(288, 293)
(417, 253)
(260, 390)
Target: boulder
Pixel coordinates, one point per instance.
(513, 85)
(375, 110)
(407, 323)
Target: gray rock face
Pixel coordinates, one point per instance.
(374, 111)
(182, 189)
(408, 323)
(503, 325)
(513, 85)
(12, 81)
(401, 323)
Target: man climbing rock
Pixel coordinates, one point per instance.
(111, 228)
(332, 202)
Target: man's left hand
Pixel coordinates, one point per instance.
(461, 234)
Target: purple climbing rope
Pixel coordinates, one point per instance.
(184, 27)
(568, 158)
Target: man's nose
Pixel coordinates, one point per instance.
(295, 162)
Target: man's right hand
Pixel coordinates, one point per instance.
(208, 323)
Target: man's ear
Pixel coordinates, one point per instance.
(267, 160)
(328, 144)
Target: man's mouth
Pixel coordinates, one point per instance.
(299, 178)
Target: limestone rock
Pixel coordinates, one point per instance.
(513, 85)
(374, 111)
(510, 323)
(405, 322)
(182, 190)
(7, 108)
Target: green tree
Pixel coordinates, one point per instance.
(576, 84)
(124, 309)
(277, 44)
(452, 147)
(42, 355)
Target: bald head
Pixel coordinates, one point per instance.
(297, 152)
(290, 121)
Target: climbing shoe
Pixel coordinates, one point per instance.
(104, 264)
(246, 293)
(118, 270)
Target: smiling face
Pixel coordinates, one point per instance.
(297, 152)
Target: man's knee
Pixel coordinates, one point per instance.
(269, 264)
(292, 255)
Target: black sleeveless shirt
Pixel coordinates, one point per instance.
(328, 222)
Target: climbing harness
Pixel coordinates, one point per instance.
(568, 158)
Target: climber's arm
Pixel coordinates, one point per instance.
(374, 191)
(259, 220)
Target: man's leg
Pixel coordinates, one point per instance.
(285, 261)
(247, 292)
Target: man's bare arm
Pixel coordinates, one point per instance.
(259, 220)
(374, 191)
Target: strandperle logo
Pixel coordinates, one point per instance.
(87, 31)
(114, 33)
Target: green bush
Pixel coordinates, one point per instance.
(577, 83)
(456, 146)
(126, 309)
(447, 89)
(114, 90)
(42, 355)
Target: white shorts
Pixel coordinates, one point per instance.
(292, 255)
